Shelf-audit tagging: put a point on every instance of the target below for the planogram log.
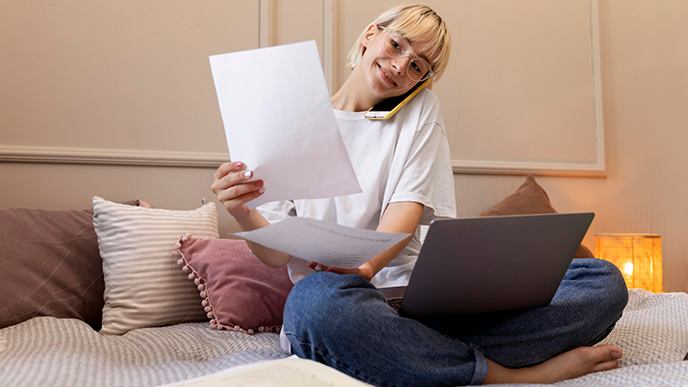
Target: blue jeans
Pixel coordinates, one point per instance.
(343, 321)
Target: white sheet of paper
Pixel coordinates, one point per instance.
(323, 242)
(288, 372)
(278, 121)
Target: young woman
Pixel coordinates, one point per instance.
(338, 317)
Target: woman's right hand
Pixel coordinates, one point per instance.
(233, 187)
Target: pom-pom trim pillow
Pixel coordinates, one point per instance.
(237, 290)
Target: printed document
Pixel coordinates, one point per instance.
(323, 242)
(278, 121)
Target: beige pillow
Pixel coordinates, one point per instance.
(143, 285)
(529, 198)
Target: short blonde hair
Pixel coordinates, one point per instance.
(415, 23)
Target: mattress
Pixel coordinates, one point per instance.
(67, 352)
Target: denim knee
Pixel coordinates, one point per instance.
(315, 300)
(615, 294)
(610, 299)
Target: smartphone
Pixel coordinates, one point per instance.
(389, 107)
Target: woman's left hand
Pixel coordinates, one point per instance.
(365, 270)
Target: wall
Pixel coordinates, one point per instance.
(84, 81)
(645, 90)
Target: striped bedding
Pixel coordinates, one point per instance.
(67, 352)
(47, 351)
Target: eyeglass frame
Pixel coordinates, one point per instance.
(408, 52)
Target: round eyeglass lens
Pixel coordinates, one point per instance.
(418, 69)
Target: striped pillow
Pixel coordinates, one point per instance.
(143, 285)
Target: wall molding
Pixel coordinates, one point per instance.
(600, 165)
(159, 158)
(486, 167)
(110, 156)
(266, 23)
(330, 47)
(596, 169)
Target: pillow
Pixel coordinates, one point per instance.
(143, 285)
(50, 266)
(529, 198)
(237, 290)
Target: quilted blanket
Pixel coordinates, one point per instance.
(66, 352)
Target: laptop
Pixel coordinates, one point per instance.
(490, 264)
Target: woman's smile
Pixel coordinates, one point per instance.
(385, 76)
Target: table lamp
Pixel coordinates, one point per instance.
(638, 256)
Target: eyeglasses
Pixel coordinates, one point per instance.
(418, 69)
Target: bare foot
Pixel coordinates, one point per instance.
(571, 364)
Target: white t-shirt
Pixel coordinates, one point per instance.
(403, 159)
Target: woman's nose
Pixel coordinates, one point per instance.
(400, 64)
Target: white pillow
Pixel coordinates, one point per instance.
(143, 284)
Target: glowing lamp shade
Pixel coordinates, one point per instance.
(638, 256)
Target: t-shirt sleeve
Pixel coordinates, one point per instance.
(277, 211)
(427, 176)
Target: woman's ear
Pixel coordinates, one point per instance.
(368, 35)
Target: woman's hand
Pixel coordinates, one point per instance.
(234, 187)
(365, 270)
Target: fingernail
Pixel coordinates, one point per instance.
(261, 190)
(237, 163)
(248, 174)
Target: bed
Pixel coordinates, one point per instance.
(56, 329)
(68, 352)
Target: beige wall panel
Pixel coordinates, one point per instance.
(352, 16)
(117, 74)
(298, 20)
(513, 60)
(55, 186)
(502, 92)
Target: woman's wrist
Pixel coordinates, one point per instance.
(251, 220)
(372, 267)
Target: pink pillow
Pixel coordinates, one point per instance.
(237, 290)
